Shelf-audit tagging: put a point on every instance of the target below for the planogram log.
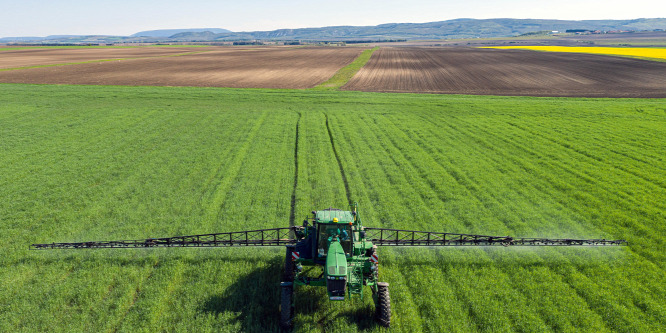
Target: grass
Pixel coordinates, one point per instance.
(342, 76)
(100, 163)
(648, 53)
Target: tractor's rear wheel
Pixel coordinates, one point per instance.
(288, 265)
(383, 305)
(287, 305)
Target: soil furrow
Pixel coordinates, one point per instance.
(509, 72)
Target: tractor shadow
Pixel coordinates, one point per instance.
(253, 301)
(313, 305)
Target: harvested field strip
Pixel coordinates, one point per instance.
(341, 77)
(636, 52)
(261, 68)
(74, 47)
(98, 61)
(50, 56)
(508, 72)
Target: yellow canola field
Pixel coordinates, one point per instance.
(642, 52)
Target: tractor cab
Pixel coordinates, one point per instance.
(334, 225)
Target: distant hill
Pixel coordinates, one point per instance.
(451, 29)
(458, 28)
(171, 32)
(203, 35)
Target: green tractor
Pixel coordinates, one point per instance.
(335, 241)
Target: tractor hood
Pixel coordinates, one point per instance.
(336, 261)
(336, 271)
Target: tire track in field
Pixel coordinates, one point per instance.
(216, 204)
(557, 279)
(493, 161)
(210, 186)
(135, 297)
(530, 169)
(594, 290)
(337, 158)
(620, 197)
(641, 232)
(470, 186)
(511, 218)
(373, 145)
(586, 154)
(365, 191)
(409, 295)
(394, 153)
(292, 213)
(466, 302)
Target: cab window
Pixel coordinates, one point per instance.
(342, 231)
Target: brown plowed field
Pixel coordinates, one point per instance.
(509, 72)
(220, 67)
(38, 57)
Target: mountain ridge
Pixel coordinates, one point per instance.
(171, 32)
(448, 29)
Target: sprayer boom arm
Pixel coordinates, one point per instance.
(397, 237)
(287, 236)
(263, 237)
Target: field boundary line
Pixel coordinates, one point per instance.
(337, 158)
(344, 74)
(100, 60)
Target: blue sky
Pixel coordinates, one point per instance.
(125, 17)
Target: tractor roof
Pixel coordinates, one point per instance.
(327, 215)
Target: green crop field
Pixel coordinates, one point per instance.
(83, 163)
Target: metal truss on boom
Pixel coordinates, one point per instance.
(397, 237)
(286, 236)
(262, 237)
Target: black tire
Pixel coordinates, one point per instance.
(383, 306)
(288, 265)
(286, 307)
(371, 251)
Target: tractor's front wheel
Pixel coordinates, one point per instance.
(287, 305)
(383, 305)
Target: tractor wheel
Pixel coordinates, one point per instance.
(383, 305)
(289, 265)
(286, 306)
